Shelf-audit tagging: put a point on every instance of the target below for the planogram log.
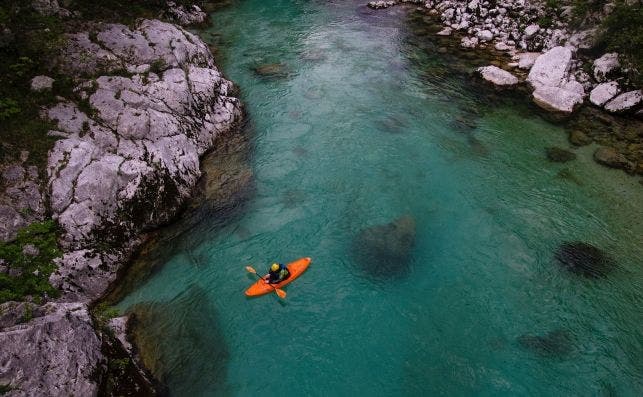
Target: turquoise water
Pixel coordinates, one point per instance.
(360, 129)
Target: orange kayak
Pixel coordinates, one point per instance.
(296, 269)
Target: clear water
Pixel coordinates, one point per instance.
(360, 132)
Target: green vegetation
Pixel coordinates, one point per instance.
(103, 312)
(622, 31)
(4, 389)
(29, 275)
(581, 8)
(34, 41)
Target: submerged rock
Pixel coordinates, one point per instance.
(174, 336)
(272, 70)
(558, 155)
(612, 158)
(554, 344)
(584, 259)
(392, 124)
(497, 76)
(384, 251)
(579, 138)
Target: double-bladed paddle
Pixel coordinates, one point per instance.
(281, 293)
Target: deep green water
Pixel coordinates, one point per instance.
(360, 132)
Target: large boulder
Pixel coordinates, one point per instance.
(604, 92)
(551, 68)
(497, 76)
(384, 251)
(625, 102)
(557, 99)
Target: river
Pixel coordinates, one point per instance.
(361, 125)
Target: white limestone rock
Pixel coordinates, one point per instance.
(497, 76)
(41, 83)
(527, 59)
(557, 99)
(54, 354)
(142, 132)
(605, 66)
(625, 102)
(445, 32)
(551, 68)
(469, 42)
(604, 92)
(485, 35)
(531, 30)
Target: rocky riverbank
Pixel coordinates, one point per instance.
(557, 53)
(144, 102)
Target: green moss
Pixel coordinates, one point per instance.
(32, 278)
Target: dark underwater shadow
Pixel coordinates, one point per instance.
(174, 338)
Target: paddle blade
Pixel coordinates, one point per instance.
(281, 293)
(250, 269)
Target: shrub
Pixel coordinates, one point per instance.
(8, 108)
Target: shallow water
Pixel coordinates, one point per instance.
(360, 127)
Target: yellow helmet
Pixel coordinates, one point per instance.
(274, 267)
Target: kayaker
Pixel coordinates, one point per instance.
(278, 273)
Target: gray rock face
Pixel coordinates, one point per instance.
(625, 102)
(147, 130)
(603, 93)
(21, 201)
(123, 167)
(497, 76)
(59, 345)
